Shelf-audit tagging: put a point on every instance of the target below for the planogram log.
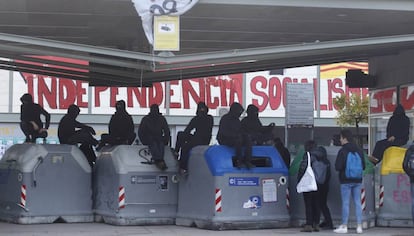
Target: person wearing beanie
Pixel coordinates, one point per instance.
(197, 132)
(30, 122)
(121, 128)
(230, 133)
(155, 133)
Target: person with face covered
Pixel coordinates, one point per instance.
(155, 133)
(253, 128)
(202, 125)
(121, 127)
(398, 130)
(30, 122)
(230, 133)
(71, 131)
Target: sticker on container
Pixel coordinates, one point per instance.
(269, 190)
(254, 202)
(244, 181)
(163, 182)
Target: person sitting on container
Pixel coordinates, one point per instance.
(230, 134)
(202, 125)
(70, 131)
(121, 128)
(30, 122)
(398, 130)
(155, 133)
(252, 126)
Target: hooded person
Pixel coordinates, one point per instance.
(398, 130)
(230, 134)
(121, 127)
(71, 131)
(252, 126)
(155, 133)
(30, 121)
(197, 132)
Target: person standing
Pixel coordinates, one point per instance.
(311, 199)
(408, 166)
(230, 134)
(323, 190)
(71, 131)
(155, 133)
(30, 122)
(121, 127)
(202, 125)
(350, 187)
(398, 129)
(283, 151)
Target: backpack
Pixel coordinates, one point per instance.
(409, 161)
(320, 169)
(353, 169)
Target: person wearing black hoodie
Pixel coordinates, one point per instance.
(30, 122)
(71, 131)
(155, 133)
(398, 130)
(350, 187)
(252, 126)
(230, 134)
(202, 124)
(121, 127)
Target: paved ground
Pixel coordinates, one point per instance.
(99, 229)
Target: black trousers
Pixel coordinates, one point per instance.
(312, 208)
(323, 190)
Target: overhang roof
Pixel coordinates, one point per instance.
(217, 37)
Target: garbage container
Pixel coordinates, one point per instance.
(217, 195)
(45, 184)
(130, 190)
(394, 190)
(297, 206)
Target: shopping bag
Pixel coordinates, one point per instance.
(308, 182)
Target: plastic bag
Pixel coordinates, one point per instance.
(308, 182)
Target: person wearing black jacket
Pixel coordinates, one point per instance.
(311, 199)
(71, 131)
(121, 127)
(202, 125)
(155, 133)
(230, 134)
(323, 190)
(398, 129)
(252, 126)
(349, 187)
(30, 122)
(407, 169)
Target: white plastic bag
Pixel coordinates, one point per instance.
(308, 182)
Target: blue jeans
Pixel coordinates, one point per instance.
(346, 191)
(412, 200)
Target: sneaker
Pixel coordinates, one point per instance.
(161, 165)
(316, 228)
(359, 229)
(342, 229)
(325, 225)
(307, 228)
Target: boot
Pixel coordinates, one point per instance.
(248, 163)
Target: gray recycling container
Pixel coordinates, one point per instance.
(394, 191)
(217, 195)
(45, 184)
(130, 191)
(297, 206)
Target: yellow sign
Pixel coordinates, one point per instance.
(166, 33)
